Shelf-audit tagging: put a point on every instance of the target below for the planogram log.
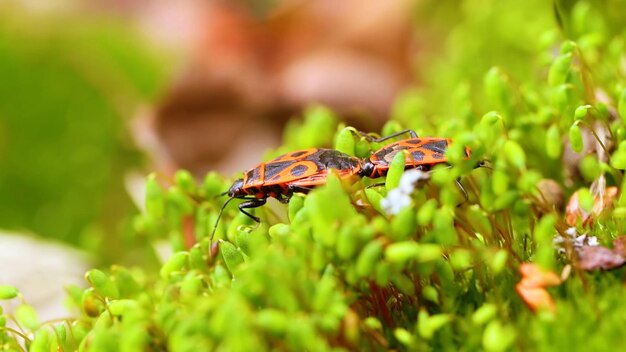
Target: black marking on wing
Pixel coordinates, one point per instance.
(274, 168)
(436, 156)
(297, 154)
(438, 147)
(253, 175)
(333, 159)
(386, 154)
(417, 155)
(413, 141)
(298, 170)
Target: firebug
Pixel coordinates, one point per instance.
(297, 171)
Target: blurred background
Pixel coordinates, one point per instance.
(94, 95)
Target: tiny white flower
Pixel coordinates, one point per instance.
(395, 202)
(409, 179)
(400, 197)
(576, 240)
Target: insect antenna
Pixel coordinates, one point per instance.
(218, 221)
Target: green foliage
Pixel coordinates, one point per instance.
(333, 271)
(396, 169)
(8, 292)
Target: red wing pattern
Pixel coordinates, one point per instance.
(419, 151)
(308, 167)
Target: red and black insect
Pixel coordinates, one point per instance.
(298, 171)
(422, 153)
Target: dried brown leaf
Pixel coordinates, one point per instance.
(603, 200)
(531, 288)
(535, 297)
(599, 257)
(534, 276)
(552, 193)
(619, 245)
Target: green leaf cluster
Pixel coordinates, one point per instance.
(333, 271)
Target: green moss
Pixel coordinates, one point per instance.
(332, 271)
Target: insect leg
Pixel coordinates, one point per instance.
(252, 203)
(300, 189)
(284, 199)
(421, 167)
(393, 135)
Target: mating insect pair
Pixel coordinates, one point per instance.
(302, 170)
